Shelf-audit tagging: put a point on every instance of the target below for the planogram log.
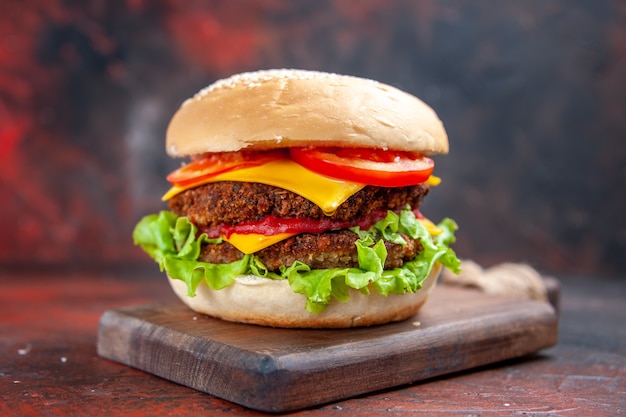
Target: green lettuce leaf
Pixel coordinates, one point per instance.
(174, 243)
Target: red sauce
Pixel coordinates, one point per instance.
(271, 225)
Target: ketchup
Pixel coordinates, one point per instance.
(271, 225)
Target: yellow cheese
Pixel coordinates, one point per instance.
(431, 227)
(251, 243)
(433, 181)
(326, 192)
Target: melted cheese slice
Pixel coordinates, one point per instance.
(253, 242)
(431, 227)
(327, 193)
(433, 181)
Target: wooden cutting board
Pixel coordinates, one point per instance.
(278, 370)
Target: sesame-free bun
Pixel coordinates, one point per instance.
(285, 108)
(270, 302)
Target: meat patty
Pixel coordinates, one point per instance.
(335, 249)
(232, 202)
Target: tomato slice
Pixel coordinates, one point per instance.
(384, 168)
(211, 164)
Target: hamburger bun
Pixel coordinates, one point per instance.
(269, 302)
(284, 108)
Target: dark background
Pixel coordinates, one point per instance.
(533, 95)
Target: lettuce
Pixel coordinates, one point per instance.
(173, 242)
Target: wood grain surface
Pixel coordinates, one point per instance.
(278, 370)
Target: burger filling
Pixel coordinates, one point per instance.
(373, 239)
(223, 207)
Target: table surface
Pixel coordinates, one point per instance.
(49, 365)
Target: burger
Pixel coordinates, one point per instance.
(299, 204)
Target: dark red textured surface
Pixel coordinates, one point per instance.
(532, 95)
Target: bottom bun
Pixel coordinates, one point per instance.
(272, 303)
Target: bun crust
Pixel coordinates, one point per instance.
(285, 108)
(269, 302)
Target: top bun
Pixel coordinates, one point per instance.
(284, 108)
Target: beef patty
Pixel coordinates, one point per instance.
(333, 249)
(232, 202)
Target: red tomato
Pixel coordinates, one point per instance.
(212, 164)
(366, 166)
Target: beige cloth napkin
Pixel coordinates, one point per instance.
(517, 280)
